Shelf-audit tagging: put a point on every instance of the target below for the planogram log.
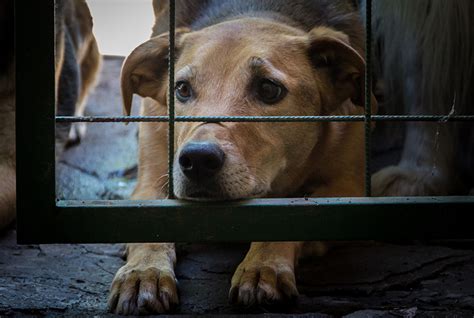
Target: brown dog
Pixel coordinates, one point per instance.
(245, 58)
(77, 66)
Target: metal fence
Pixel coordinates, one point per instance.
(43, 219)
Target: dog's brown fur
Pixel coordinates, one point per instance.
(322, 67)
(77, 66)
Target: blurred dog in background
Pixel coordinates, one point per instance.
(425, 50)
(77, 66)
(7, 114)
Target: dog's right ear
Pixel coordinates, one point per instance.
(145, 69)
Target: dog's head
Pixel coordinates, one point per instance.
(246, 67)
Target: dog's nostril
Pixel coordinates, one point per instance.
(201, 160)
(185, 162)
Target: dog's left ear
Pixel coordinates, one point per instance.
(342, 67)
(144, 71)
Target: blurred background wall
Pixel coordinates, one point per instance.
(121, 25)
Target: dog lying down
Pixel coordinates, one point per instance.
(271, 57)
(245, 58)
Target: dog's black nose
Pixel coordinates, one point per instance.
(200, 160)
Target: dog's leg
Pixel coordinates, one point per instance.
(7, 194)
(267, 274)
(146, 284)
(90, 67)
(68, 90)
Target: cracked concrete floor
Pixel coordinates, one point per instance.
(355, 280)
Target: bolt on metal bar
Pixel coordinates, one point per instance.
(171, 105)
(368, 95)
(214, 119)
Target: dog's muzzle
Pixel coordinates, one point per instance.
(201, 161)
(200, 165)
(207, 171)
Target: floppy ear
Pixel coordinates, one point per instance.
(341, 65)
(145, 69)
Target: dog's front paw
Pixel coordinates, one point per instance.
(398, 181)
(139, 291)
(263, 282)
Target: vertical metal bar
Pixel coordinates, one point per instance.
(35, 100)
(171, 112)
(368, 99)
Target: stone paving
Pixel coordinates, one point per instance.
(361, 279)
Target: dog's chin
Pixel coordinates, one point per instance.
(206, 195)
(222, 188)
(202, 196)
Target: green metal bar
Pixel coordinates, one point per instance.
(171, 108)
(259, 220)
(368, 98)
(356, 118)
(35, 97)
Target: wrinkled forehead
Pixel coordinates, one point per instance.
(242, 44)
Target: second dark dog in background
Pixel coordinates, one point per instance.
(425, 53)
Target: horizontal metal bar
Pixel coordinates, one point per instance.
(279, 202)
(359, 118)
(62, 119)
(258, 220)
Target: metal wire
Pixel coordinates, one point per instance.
(171, 107)
(368, 97)
(215, 119)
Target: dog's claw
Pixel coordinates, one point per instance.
(138, 291)
(233, 293)
(262, 284)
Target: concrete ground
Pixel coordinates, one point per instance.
(357, 280)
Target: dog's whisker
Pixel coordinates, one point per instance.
(164, 187)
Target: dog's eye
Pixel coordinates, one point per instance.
(183, 91)
(269, 91)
